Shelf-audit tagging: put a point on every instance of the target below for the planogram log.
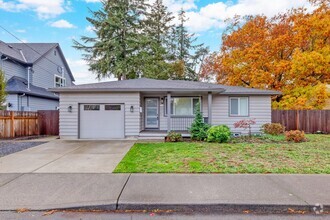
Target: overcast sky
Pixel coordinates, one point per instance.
(62, 20)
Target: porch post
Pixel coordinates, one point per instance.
(169, 112)
(209, 107)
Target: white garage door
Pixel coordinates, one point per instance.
(101, 121)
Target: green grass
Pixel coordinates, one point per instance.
(268, 154)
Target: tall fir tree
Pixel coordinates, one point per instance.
(158, 26)
(188, 55)
(115, 50)
(3, 93)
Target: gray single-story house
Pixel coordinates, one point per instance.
(138, 108)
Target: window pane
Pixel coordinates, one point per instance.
(233, 106)
(112, 107)
(244, 106)
(195, 105)
(91, 107)
(152, 102)
(152, 121)
(182, 106)
(152, 111)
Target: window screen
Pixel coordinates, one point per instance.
(91, 107)
(239, 106)
(112, 107)
(183, 106)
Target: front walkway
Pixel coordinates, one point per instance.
(61, 156)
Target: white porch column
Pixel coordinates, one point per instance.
(209, 107)
(169, 112)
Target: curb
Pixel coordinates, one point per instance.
(204, 208)
(229, 208)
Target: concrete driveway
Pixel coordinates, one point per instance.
(60, 156)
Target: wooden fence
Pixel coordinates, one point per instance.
(309, 121)
(19, 124)
(48, 122)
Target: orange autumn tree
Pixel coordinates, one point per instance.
(287, 52)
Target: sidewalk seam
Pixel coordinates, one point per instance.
(20, 175)
(54, 160)
(286, 189)
(122, 190)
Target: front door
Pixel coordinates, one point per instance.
(151, 113)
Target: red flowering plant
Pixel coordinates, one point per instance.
(245, 124)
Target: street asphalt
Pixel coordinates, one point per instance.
(180, 192)
(153, 216)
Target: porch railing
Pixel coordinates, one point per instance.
(183, 123)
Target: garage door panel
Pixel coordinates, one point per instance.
(101, 121)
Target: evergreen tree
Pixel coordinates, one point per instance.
(157, 28)
(198, 129)
(188, 54)
(3, 93)
(115, 50)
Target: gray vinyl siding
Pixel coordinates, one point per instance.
(12, 99)
(36, 103)
(69, 126)
(45, 71)
(259, 109)
(13, 69)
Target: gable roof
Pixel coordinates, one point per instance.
(17, 85)
(33, 51)
(29, 53)
(153, 85)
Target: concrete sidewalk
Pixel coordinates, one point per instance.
(264, 193)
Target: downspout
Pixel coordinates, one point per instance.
(21, 98)
(28, 78)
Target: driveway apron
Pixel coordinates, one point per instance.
(64, 156)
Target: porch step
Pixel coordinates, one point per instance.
(150, 138)
(157, 135)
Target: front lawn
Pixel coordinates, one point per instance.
(261, 155)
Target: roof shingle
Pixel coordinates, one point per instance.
(145, 84)
(19, 85)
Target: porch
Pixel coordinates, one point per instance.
(155, 120)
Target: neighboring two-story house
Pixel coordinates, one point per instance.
(30, 69)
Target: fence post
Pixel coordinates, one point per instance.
(12, 124)
(297, 120)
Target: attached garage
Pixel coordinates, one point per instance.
(101, 121)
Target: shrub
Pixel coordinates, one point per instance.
(173, 137)
(295, 135)
(3, 93)
(273, 128)
(220, 133)
(198, 128)
(246, 124)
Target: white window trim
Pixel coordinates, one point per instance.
(63, 78)
(239, 107)
(192, 106)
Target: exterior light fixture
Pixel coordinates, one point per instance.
(132, 109)
(70, 108)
